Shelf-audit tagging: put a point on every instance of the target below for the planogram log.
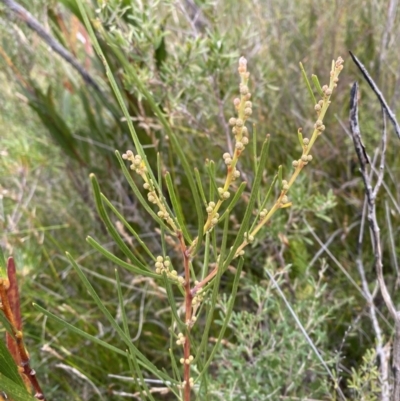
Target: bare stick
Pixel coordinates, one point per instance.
(371, 193)
(381, 351)
(377, 92)
(25, 16)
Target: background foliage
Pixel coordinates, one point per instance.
(56, 130)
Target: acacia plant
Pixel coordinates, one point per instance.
(193, 260)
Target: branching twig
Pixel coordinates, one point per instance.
(377, 92)
(25, 16)
(371, 194)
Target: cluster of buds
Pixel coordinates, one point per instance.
(284, 200)
(181, 339)
(210, 207)
(183, 384)
(163, 266)
(305, 159)
(319, 126)
(285, 185)
(248, 237)
(263, 213)
(187, 361)
(243, 106)
(198, 298)
(223, 194)
(137, 164)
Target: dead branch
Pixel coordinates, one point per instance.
(377, 92)
(371, 193)
(25, 16)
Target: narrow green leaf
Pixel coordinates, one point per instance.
(280, 177)
(110, 226)
(300, 137)
(317, 85)
(144, 361)
(250, 206)
(171, 134)
(122, 305)
(215, 293)
(119, 261)
(310, 91)
(175, 368)
(121, 218)
(204, 270)
(8, 367)
(271, 187)
(80, 332)
(172, 303)
(177, 207)
(13, 390)
(234, 200)
(210, 166)
(200, 186)
(138, 194)
(226, 320)
(131, 358)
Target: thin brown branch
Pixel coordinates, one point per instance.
(377, 92)
(187, 359)
(370, 194)
(381, 350)
(25, 16)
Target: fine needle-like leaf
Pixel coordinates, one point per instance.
(177, 207)
(317, 85)
(310, 91)
(119, 261)
(234, 201)
(110, 226)
(121, 218)
(144, 361)
(250, 206)
(226, 320)
(138, 194)
(200, 186)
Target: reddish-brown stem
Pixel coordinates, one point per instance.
(23, 354)
(188, 319)
(202, 283)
